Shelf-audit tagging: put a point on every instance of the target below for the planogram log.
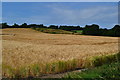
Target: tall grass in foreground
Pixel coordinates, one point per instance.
(100, 60)
(36, 70)
(39, 69)
(106, 67)
(104, 72)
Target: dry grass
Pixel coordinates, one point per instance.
(23, 47)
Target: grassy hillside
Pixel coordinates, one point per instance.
(77, 31)
(52, 31)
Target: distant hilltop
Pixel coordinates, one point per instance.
(93, 29)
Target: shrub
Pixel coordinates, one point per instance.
(91, 30)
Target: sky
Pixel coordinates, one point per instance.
(60, 0)
(104, 14)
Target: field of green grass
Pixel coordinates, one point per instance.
(77, 31)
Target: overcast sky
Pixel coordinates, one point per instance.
(61, 13)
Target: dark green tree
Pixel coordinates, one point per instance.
(91, 30)
(116, 30)
(15, 25)
(53, 27)
(24, 25)
(41, 26)
(5, 25)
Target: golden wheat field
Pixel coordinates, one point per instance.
(22, 47)
(26, 46)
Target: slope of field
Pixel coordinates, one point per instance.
(26, 46)
(52, 31)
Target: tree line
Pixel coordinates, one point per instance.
(93, 29)
(97, 31)
(24, 25)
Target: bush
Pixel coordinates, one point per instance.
(91, 30)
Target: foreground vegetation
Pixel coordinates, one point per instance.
(104, 68)
(37, 70)
(105, 71)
